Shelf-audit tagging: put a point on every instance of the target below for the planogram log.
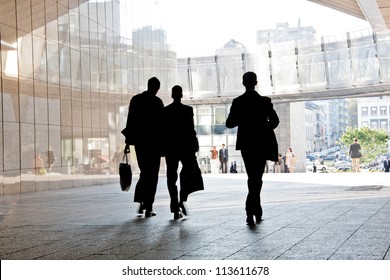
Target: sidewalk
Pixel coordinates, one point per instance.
(306, 216)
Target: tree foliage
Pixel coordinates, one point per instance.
(373, 142)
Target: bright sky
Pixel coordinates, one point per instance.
(206, 25)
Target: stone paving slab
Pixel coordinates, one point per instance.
(306, 217)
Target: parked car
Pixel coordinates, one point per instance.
(344, 169)
(343, 163)
(320, 167)
(378, 168)
(311, 157)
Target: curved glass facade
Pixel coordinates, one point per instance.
(68, 72)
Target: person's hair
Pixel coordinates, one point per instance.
(154, 83)
(177, 92)
(355, 140)
(290, 149)
(249, 79)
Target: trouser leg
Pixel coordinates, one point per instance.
(149, 165)
(255, 167)
(172, 165)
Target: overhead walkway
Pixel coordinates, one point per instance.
(354, 65)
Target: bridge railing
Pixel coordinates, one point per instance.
(354, 59)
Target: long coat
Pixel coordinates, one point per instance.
(256, 120)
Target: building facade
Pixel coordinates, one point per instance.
(67, 76)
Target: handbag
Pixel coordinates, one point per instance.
(190, 180)
(125, 174)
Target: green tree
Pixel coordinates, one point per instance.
(373, 142)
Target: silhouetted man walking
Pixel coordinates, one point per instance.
(142, 127)
(256, 119)
(179, 145)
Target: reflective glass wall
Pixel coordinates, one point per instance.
(68, 71)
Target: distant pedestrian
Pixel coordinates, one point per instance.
(355, 154)
(314, 168)
(386, 164)
(223, 158)
(214, 160)
(290, 160)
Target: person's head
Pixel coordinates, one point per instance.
(355, 140)
(153, 85)
(223, 146)
(249, 80)
(214, 147)
(289, 150)
(177, 93)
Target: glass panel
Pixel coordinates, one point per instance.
(54, 105)
(27, 146)
(40, 102)
(10, 100)
(11, 146)
(39, 51)
(23, 14)
(51, 20)
(38, 19)
(8, 13)
(26, 98)
(25, 55)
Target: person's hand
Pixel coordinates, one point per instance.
(127, 149)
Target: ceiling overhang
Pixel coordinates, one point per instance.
(376, 12)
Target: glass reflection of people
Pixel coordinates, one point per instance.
(142, 128)
(355, 154)
(256, 119)
(179, 145)
(39, 165)
(50, 158)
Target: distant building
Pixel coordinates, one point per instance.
(374, 112)
(284, 33)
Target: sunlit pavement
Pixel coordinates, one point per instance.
(306, 216)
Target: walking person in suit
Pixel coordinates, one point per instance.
(143, 124)
(355, 154)
(179, 145)
(386, 165)
(256, 119)
(223, 158)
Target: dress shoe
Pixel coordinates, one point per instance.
(177, 215)
(150, 213)
(258, 218)
(183, 209)
(250, 221)
(141, 208)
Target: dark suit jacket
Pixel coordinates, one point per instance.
(221, 159)
(178, 129)
(256, 119)
(143, 119)
(354, 150)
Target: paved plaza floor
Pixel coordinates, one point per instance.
(306, 217)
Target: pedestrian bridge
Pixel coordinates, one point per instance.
(356, 64)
